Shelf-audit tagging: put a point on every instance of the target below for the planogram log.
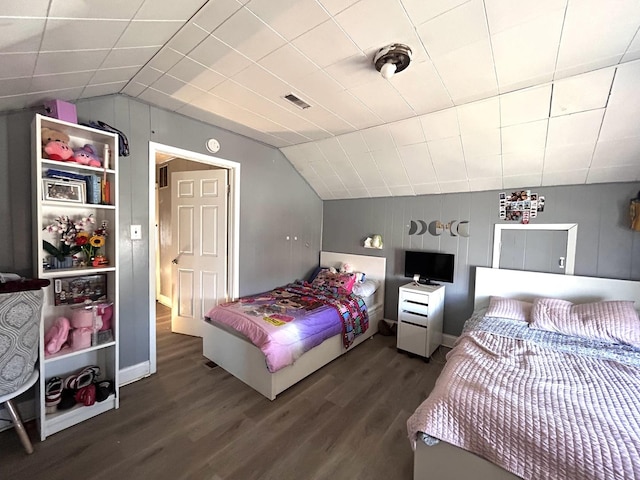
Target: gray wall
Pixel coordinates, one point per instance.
(606, 247)
(274, 202)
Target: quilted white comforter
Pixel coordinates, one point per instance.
(540, 405)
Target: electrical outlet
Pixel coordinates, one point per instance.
(136, 232)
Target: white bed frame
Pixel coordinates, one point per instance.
(238, 356)
(445, 461)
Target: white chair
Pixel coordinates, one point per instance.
(7, 400)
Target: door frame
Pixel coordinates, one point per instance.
(570, 228)
(233, 230)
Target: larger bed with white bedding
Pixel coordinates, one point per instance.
(228, 340)
(536, 394)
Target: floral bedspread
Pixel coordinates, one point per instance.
(288, 321)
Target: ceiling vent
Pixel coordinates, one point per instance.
(297, 101)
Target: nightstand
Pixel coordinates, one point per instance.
(420, 315)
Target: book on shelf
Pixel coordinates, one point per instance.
(93, 183)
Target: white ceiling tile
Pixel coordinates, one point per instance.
(454, 29)
(420, 11)
(582, 127)
(320, 87)
(63, 62)
(353, 144)
(258, 79)
(196, 74)
(176, 89)
(481, 144)
(480, 115)
(168, 10)
(625, 85)
(414, 82)
(133, 89)
(311, 152)
(326, 44)
(147, 76)
(332, 150)
(568, 157)
(33, 8)
(394, 175)
(247, 34)
(484, 167)
(372, 179)
(525, 105)
(443, 124)
(594, 31)
(468, 73)
(13, 102)
(383, 100)
(613, 174)
(147, 34)
(14, 86)
(575, 177)
(67, 94)
(385, 22)
(524, 163)
(21, 34)
(324, 170)
(378, 138)
(17, 64)
(353, 71)
(426, 188)
(401, 191)
(382, 191)
(620, 121)
(288, 64)
(213, 14)
(448, 160)
(128, 57)
(219, 57)
(407, 132)
(336, 6)
(525, 137)
(120, 9)
(102, 89)
(633, 51)
(290, 18)
(165, 59)
(160, 99)
(582, 92)
(417, 163)
(617, 153)
(111, 75)
(187, 38)
(484, 184)
(351, 110)
(526, 54)
(43, 83)
(94, 34)
(454, 187)
(505, 14)
(522, 181)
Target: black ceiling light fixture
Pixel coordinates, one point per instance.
(392, 59)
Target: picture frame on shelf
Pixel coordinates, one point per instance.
(77, 290)
(64, 190)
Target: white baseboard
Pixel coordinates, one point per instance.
(134, 373)
(448, 340)
(164, 300)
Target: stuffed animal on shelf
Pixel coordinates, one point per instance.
(56, 145)
(51, 135)
(87, 156)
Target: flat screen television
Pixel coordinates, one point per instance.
(429, 266)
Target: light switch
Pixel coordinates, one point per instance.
(136, 232)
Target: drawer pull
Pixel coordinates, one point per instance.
(416, 313)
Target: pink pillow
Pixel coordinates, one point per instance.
(342, 281)
(509, 308)
(613, 321)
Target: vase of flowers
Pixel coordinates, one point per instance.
(67, 229)
(90, 245)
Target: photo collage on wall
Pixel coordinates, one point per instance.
(520, 206)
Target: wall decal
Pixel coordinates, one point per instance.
(520, 206)
(436, 228)
(413, 229)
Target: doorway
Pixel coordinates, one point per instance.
(157, 150)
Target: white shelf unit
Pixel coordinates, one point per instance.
(420, 317)
(105, 355)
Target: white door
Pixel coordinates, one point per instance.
(199, 240)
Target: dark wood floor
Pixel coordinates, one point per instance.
(189, 421)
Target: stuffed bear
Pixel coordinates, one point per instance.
(86, 156)
(51, 135)
(56, 145)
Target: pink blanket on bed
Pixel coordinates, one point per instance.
(536, 412)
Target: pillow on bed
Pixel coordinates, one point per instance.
(613, 321)
(341, 281)
(366, 288)
(509, 308)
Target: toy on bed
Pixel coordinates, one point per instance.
(56, 145)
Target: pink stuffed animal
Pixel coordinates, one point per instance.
(57, 150)
(86, 156)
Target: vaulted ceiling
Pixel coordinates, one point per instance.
(499, 93)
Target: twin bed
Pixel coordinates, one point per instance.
(517, 399)
(234, 353)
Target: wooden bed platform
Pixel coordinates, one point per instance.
(238, 356)
(448, 462)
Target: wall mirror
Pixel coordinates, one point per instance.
(547, 247)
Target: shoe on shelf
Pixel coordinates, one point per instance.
(57, 335)
(86, 395)
(82, 378)
(103, 390)
(53, 394)
(68, 399)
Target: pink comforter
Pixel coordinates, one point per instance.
(536, 412)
